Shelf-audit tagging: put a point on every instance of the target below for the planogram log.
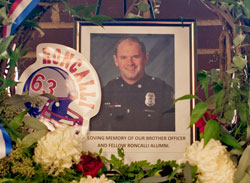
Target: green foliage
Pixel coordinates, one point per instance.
(246, 8)
(84, 12)
(231, 141)
(227, 91)
(5, 83)
(145, 172)
(229, 101)
(21, 166)
(142, 6)
(185, 97)
(190, 173)
(198, 112)
(243, 168)
(203, 79)
(212, 130)
(133, 16)
(16, 122)
(4, 44)
(4, 3)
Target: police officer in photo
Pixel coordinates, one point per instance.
(134, 101)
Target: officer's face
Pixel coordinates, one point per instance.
(131, 61)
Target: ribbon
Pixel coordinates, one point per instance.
(5, 143)
(19, 10)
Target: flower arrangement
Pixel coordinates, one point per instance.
(54, 153)
(209, 167)
(221, 155)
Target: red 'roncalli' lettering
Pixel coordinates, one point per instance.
(92, 106)
(82, 86)
(81, 75)
(84, 95)
(46, 56)
(72, 68)
(56, 56)
(66, 60)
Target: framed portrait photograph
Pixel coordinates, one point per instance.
(143, 66)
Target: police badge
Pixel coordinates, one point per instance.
(150, 99)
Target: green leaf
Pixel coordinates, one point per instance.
(4, 3)
(154, 179)
(245, 28)
(230, 141)
(246, 8)
(34, 123)
(187, 173)
(79, 11)
(6, 83)
(227, 1)
(185, 97)
(246, 178)
(18, 100)
(217, 87)
(7, 180)
(212, 130)
(215, 75)
(98, 19)
(248, 133)
(32, 138)
(4, 55)
(219, 97)
(3, 13)
(236, 152)
(197, 112)
(194, 170)
(29, 23)
(13, 133)
(100, 151)
(239, 62)
(5, 44)
(69, 8)
(142, 6)
(7, 21)
(243, 111)
(244, 163)
(16, 122)
(14, 56)
(239, 39)
(203, 79)
(232, 70)
(88, 10)
(120, 152)
(132, 15)
(52, 97)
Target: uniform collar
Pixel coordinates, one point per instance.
(138, 84)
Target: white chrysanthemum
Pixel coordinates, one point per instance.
(89, 179)
(213, 162)
(59, 149)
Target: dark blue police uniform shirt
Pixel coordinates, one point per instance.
(146, 105)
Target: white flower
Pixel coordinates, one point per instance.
(89, 179)
(213, 162)
(59, 149)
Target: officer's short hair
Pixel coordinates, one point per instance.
(133, 39)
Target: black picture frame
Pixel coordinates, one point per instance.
(174, 39)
